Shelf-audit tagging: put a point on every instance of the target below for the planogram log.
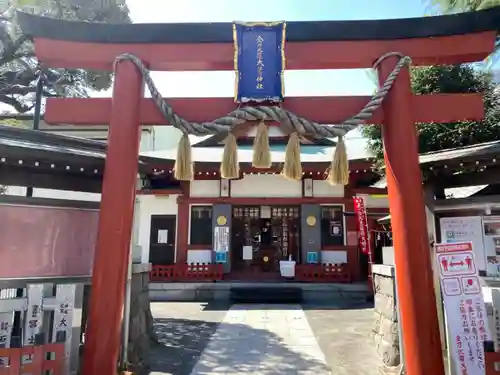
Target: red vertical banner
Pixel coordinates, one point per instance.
(362, 225)
(364, 234)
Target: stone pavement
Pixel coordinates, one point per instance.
(200, 339)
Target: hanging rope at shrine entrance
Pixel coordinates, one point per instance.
(338, 173)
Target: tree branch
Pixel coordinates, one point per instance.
(18, 106)
(10, 53)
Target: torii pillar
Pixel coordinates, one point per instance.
(115, 223)
(417, 301)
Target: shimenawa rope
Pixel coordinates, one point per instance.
(338, 171)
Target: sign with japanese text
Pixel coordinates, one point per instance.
(221, 239)
(362, 224)
(464, 306)
(6, 323)
(62, 329)
(34, 315)
(259, 59)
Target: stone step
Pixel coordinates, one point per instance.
(265, 295)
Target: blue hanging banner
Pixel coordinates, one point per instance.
(259, 61)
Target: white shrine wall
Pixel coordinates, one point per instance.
(265, 185)
(322, 188)
(55, 194)
(375, 201)
(204, 188)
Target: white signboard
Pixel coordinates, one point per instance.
(465, 229)
(464, 306)
(162, 236)
(6, 323)
(221, 239)
(63, 317)
(247, 252)
(33, 325)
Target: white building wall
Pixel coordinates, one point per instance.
(375, 201)
(55, 194)
(265, 185)
(205, 188)
(322, 188)
(153, 205)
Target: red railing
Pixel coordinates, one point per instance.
(327, 273)
(490, 359)
(186, 272)
(11, 360)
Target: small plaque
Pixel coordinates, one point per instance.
(312, 257)
(220, 257)
(311, 221)
(221, 220)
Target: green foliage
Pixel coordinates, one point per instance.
(453, 6)
(18, 65)
(446, 80)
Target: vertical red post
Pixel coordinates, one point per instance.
(417, 302)
(115, 225)
(182, 230)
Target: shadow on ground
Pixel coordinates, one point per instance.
(182, 342)
(310, 305)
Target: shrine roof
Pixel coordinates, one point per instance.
(474, 152)
(303, 31)
(21, 144)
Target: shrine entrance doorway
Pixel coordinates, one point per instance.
(261, 237)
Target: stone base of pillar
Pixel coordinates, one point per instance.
(141, 334)
(141, 331)
(386, 329)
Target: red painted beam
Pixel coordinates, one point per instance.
(323, 110)
(300, 55)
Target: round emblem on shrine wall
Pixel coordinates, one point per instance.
(221, 220)
(311, 221)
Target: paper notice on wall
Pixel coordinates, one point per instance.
(162, 236)
(465, 229)
(247, 252)
(464, 306)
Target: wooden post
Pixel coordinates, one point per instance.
(115, 224)
(183, 215)
(419, 320)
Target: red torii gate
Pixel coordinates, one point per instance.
(310, 45)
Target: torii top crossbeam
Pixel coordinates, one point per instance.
(449, 39)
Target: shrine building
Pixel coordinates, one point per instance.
(268, 218)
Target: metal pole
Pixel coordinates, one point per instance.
(36, 117)
(126, 313)
(400, 329)
(128, 293)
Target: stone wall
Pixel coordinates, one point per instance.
(386, 330)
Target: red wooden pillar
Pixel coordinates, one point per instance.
(115, 224)
(417, 301)
(182, 230)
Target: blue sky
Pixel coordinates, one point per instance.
(297, 83)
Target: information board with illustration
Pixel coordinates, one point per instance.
(465, 229)
(465, 311)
